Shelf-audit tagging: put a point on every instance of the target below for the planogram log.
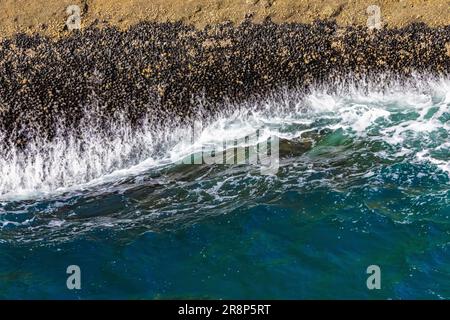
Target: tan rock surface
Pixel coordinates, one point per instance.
(49, 16)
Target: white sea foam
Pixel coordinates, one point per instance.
(70, 163)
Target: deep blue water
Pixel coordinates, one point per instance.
(363, 180)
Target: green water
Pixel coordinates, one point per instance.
(363, 180)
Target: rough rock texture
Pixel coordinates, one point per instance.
(49, 16)
(155, 58)
(158, 69)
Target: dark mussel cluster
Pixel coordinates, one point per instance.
(161, 70)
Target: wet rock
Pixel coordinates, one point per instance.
(162, 70)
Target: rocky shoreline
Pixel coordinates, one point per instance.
(48, 17)
(161, 69)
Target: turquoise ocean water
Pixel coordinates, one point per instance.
(363, 179)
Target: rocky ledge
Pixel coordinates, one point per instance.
(158, 70)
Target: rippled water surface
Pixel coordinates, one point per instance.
(364, 179)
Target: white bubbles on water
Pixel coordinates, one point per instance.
(71, 162)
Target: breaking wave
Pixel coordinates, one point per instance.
(351, 135)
